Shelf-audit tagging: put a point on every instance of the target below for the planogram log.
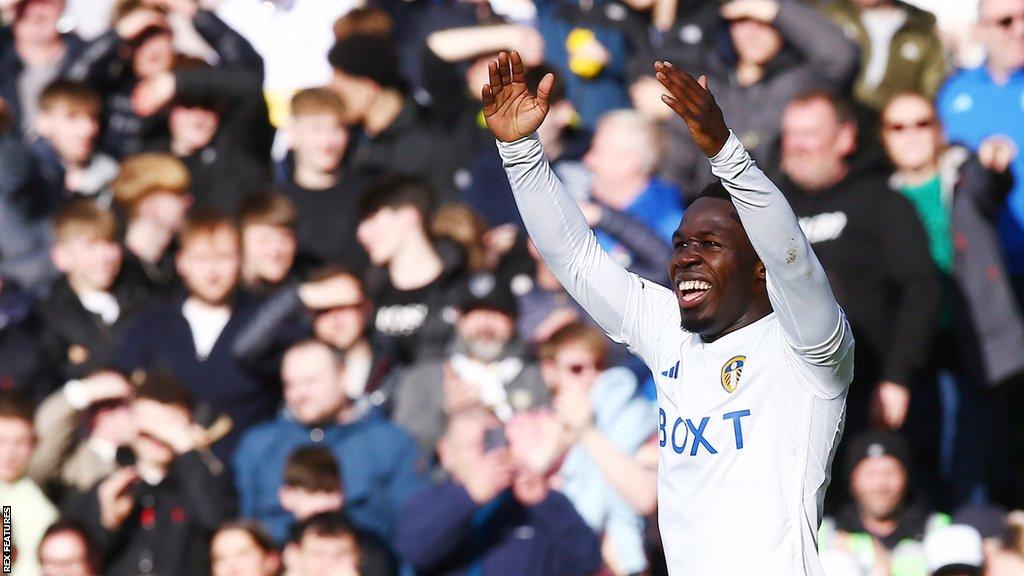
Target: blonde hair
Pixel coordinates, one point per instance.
(576, 333)
(144, 174)
(82, 218)
(318, 101)
(367, 21)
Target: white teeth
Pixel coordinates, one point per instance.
(688, 285)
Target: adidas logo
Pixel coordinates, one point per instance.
(672, 372)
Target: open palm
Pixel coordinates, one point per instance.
(509, 108)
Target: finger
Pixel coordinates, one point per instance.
(488, 98)
(544, 89)
(518, 69)
(493, 77)
(703, 82)
(504, 69)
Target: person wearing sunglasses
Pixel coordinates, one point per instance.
(958, 196)
(974, 104)
(609, 472)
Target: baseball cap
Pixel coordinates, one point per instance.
(955, 549)
(487, 292)
(874, 444)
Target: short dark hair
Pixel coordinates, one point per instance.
(78, 95)
(15, 407)
(313, 468)
(330, 524)
(715, 190)
(842, 106)
(206, 222)
(67, 525)
(398, 191)
(271, 209)
(160, 386)
(368, 56)
(258, 532)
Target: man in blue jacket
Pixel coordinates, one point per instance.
(494, 516)
(380, 464)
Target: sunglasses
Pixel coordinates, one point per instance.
(1007, 21)
(905, 126)
(578, 369)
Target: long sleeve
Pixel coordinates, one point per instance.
(631, 310)
(917, 292)
(261, 336)
(204, 488)
(99, 64)
(433, 525)
(798, 288)
(830, 55)
(56, 421)
(245, 123)
(578, 550)
(231, 47)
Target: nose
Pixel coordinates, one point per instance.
(688, 256)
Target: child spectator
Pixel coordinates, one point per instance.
(68, 124)
(65, 550)
(153, 192)
(413, 287)
(31, 512)
(244, 548)
(158, 515)
(325, 196)
(268, 223)
(192, 336)
(88, 309)
(328, 545)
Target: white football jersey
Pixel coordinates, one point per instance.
(749, 423)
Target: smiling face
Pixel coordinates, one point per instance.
(717, 276)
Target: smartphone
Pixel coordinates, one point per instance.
(495, 438)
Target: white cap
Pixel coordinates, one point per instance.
(956, 545)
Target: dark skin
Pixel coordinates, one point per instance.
(710, 244)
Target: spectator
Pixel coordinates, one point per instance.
(981, 333)
(875, 252)
(885, 525)
(473, 522)
(159, 514)
(31, 512)
(333, 307)
(218, 127)
(326, 196)
(395, 135)
(244, 548)
(624, 157)
(954, 551)
(152, 190)
(974, 104)
(609, 421)
(33, 53)
(139, 48)
(900, 47)
(267, 223)
(312, 487)
(65, 550)
(90, 307)
(328, 545)
(488, 366)
(588, 45)
(413, 286)
(66, 462)
(681, 33)
(380, 464)
(68, 124)
(22, 367)
(192, 336)
(777, 50)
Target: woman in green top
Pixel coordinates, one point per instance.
(958, 196)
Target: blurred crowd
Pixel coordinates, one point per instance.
(267, 306)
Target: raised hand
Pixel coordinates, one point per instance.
(694, 103)
(115, 498)
(510, 110)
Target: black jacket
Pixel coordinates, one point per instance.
(169, 529)
(76, 341)
(11, 67)
(162, 339)
(875, 251)
(106, 65)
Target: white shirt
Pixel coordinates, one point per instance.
(103, 304)
(749, 423)
(206, 325)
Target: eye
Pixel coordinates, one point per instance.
(710, 244)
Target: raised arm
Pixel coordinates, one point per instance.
(627, 307)
(797, 286)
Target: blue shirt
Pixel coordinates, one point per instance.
(972, 107)
(659, 206)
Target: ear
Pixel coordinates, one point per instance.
(285, 497)
(761, 271)
(549, 373)
(846, 140)
(60, 257)
(444, 455)
(43, 124)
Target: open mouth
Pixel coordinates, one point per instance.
(693, 292)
